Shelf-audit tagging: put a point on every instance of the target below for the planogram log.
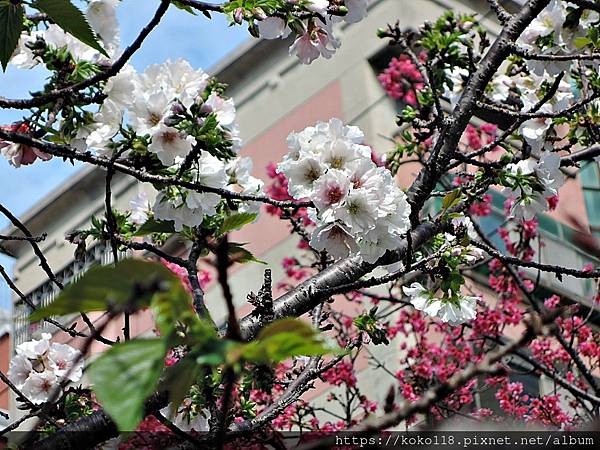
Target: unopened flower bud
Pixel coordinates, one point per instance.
(238, 15)
(259, 13)
(456, 251)
(177, 108)
(171, 121)
(468, 25)
(206, 109)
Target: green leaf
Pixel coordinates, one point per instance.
(581, 42)
(155, 226)
(71, 19)
(130, 283)
(451, 199)
(213, 352)
(239, 254)
(236, 221)
(284, 339)
(125, 376)
(296, 326)
(184, 7)
(11, 24)
(175, 306)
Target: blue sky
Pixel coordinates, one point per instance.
(199, 40)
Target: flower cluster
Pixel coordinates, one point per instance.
(453, 310)
(402, 80)
(533, 182)
(39, 366)
(171, 119)
(315, 34)
(71, 61)
(177, 117)
(20, 154)
(358, 207)
(559, 29)
(34, 46)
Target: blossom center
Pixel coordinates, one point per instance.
(169, 137)
(154, 118)
(334, 195)
(312, 174)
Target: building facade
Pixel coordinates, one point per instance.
(275, 95)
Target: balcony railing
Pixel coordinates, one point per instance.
(99, 254)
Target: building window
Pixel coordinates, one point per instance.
(590, 183)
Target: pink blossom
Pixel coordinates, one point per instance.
(20, 154)
(342, 373)
(204, 277)
(552, 202)
(402, 80)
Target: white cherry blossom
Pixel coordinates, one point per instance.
(170, 145)
(549, 174)
(418, 294)
(102, 17)
(376, 242)
(331, 189)
(148, 112)
(39, 386)
(186, 82)
(240, 180)
(223, 109)
(453, 311)
(35, 348)
(23, 56)
(458, 312)
(139, 208)
(318, 40)
(318, 6)
(335, 239)
(174, 209)
(273, 28)
(340, 153)
(359, 208)
(65, 361)
(121, 88)
(19, 370)
(107, 123)
(302, 175)
(57, 38)
(457, 76)
(39, 366)
(359, 211)
(184, 422)
(549, 21)
(534, 132)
